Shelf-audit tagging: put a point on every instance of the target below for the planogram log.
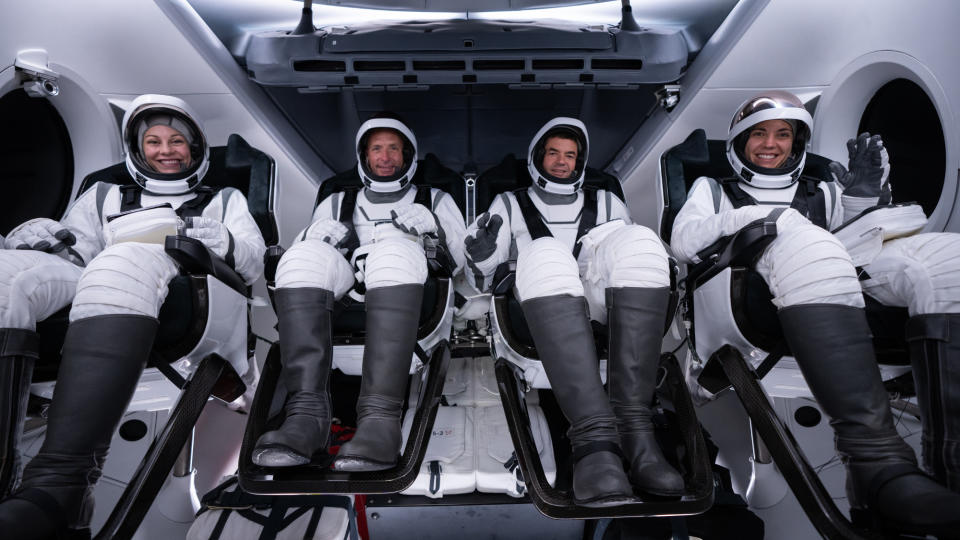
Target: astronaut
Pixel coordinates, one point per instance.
(578, 258)
(816, 290)
(382, 237)
(97, 258)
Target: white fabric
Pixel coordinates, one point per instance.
(386, 255)
(414, 219)
(852, 206)
(561, 219)
(149, 225)
(326, 230)
(128, 278)
(546, 267)
(32, 232)
(921, 273)
(804, 264)
(316, 264)
(452, 447)
(211, 232)
(33, 286)
(395, 261)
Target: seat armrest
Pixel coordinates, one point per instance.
(197, 259)
(271, 258)
(740, 249)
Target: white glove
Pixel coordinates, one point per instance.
(326, 230)
(40, 234)
(211, 232)
(414, 219)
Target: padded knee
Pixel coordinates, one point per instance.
(546, 267)
(315, 264)
(807, 265)
(127, 278)
(33, 286)
(633, 256)
(921, 272)
(395, 261)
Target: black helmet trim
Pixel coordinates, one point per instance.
(568, 128)
(399, 180)
(773, 105)
(147, 111)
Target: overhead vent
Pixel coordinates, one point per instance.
(379, 65)
(439, 65)
(616, 63)
(498, 65)
(330, 66)
(558, 63)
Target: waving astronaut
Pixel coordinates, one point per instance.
(116, 283)
(386, 227)
(815, 286)
(579, 257)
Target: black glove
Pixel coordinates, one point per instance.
(481, 246)
(869, 168)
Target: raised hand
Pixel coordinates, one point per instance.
(482, 245)
(869, 167)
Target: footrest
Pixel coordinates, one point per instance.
(558, 504)
(317, 477)
(803, 481)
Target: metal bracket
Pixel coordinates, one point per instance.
(38, 79)
(668, 96)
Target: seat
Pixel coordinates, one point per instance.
(734, 325)
(203, 341)
(518, 370)
(349, 334)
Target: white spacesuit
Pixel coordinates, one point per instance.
(380, 228)
(579, 257)
(110, 262)
(816, 288)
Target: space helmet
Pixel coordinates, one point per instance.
(150, 110)
(403, 177)
(771, 105)
(568, 128)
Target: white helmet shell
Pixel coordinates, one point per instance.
(176, 113)
(772, 105)
(548, 182)
(396, 182)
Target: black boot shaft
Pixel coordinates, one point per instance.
(934, 341)
(392, 320)
(18, 351)
(306, 344)
(635, 318)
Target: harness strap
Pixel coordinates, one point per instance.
(539, 229)
(130, 199)
(808, 199)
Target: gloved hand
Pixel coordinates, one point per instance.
(869, 168)
(327, 230)
(483, 244)
(40, 234)
(414, 219)
(211, 232)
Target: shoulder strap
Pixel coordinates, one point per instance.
(738, 197)
(424, 197)
(194, 207)
(102, 189)
(531, 216)
(348, 203)
(130, 197)
(809, 201)
(588, 217)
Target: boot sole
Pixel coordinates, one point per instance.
(360, 464)
(606, 501)
(867, 519)
(278, 456)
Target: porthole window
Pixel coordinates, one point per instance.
(37, 177)
(905, 116)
